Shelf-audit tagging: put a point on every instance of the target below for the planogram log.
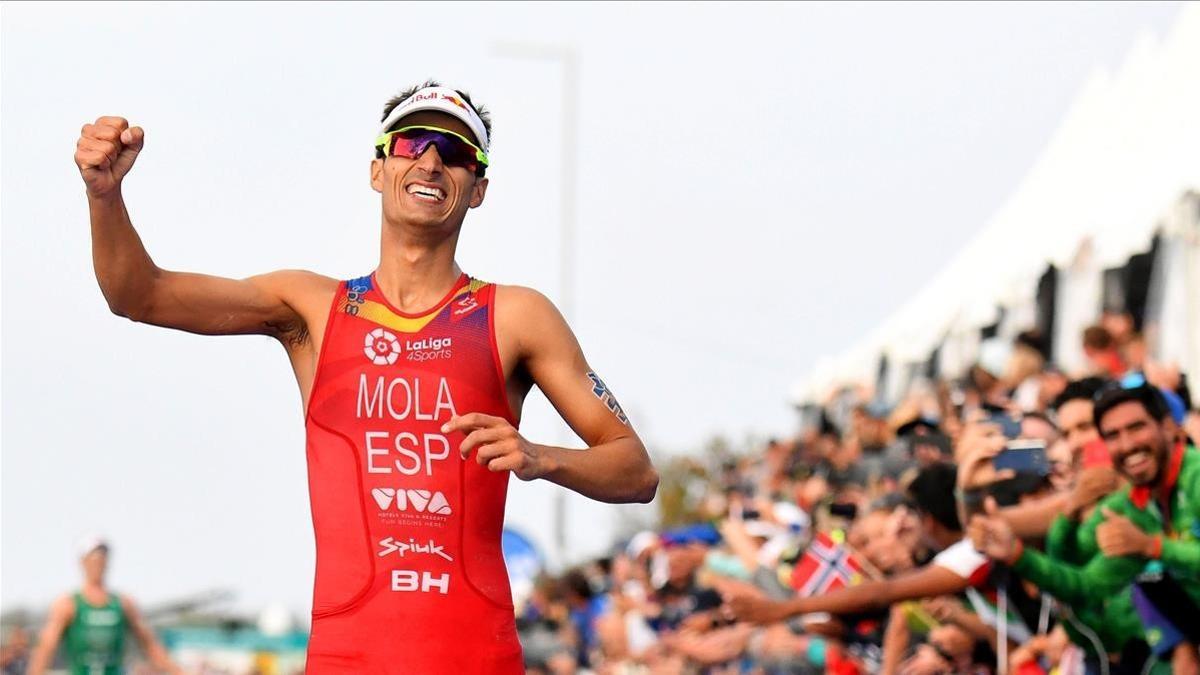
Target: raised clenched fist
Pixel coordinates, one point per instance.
(105, 152)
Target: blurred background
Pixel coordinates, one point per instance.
(757, 217)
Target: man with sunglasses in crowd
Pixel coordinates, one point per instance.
(1147, 534)
(413, 379)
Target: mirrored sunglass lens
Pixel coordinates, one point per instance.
(454, 151)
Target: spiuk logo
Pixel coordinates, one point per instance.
(381, 347)
(401, 548)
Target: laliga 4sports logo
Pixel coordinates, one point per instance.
(381, 347)
(421, 501)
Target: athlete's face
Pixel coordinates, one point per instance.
(94, 565)
(397, 177)
(1138, 443)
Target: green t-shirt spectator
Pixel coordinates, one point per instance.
(1103, 576)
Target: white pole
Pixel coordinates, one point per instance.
(566, 57)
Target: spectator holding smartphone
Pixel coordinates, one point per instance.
(1146, 532)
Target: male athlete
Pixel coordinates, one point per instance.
(412, 378)
(92, 623)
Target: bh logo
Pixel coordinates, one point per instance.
(381, 347)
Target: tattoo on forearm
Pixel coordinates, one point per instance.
(601, 391)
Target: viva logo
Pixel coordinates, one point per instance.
(420, 501)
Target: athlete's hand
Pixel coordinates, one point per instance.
(105, 152)
(497, 445)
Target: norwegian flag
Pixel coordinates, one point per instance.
(825, 566)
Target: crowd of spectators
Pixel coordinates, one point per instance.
(1017, 520)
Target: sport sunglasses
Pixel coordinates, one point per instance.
(412, 142)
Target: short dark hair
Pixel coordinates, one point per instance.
(1085, 389)
(1148, 396)
(403, 96)
(1097, 337)
(932, 492)
(1033, 340)
(1033, 414)
(577, 582)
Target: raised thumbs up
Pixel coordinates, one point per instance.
(992, 535)
(1118, 536)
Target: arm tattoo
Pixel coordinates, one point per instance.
(601, 391)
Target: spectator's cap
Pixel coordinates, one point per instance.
(763, 528)
(91, 543)
(994, 355)
(660, 570)
(877, 409)
(641, 542)
(1175, 404)
(791, 516)
(918, 422)
(1159, 403)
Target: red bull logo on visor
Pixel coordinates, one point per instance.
(433, 96)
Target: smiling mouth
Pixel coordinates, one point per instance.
(426, 193)
(1136, 461)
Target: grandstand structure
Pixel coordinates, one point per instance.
(1107, 218)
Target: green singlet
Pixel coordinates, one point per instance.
(95, 640)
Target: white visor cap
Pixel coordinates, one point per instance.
(90, 543)
(442, 99)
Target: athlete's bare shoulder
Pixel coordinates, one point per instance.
(299, 287)
(530, 328)
(307, 294)
(127, 603)
(523, 313)
(63, 607)
(522, 299)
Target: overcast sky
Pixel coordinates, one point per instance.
(758, 185)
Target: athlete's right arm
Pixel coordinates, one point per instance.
(61, 613)
(138, 289)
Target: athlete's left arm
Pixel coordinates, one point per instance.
(148, 641)
(615, 467)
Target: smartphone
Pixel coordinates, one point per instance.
(843, 510)
(1009, 425)
(1024, 456)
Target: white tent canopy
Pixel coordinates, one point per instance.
(1125, 152)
